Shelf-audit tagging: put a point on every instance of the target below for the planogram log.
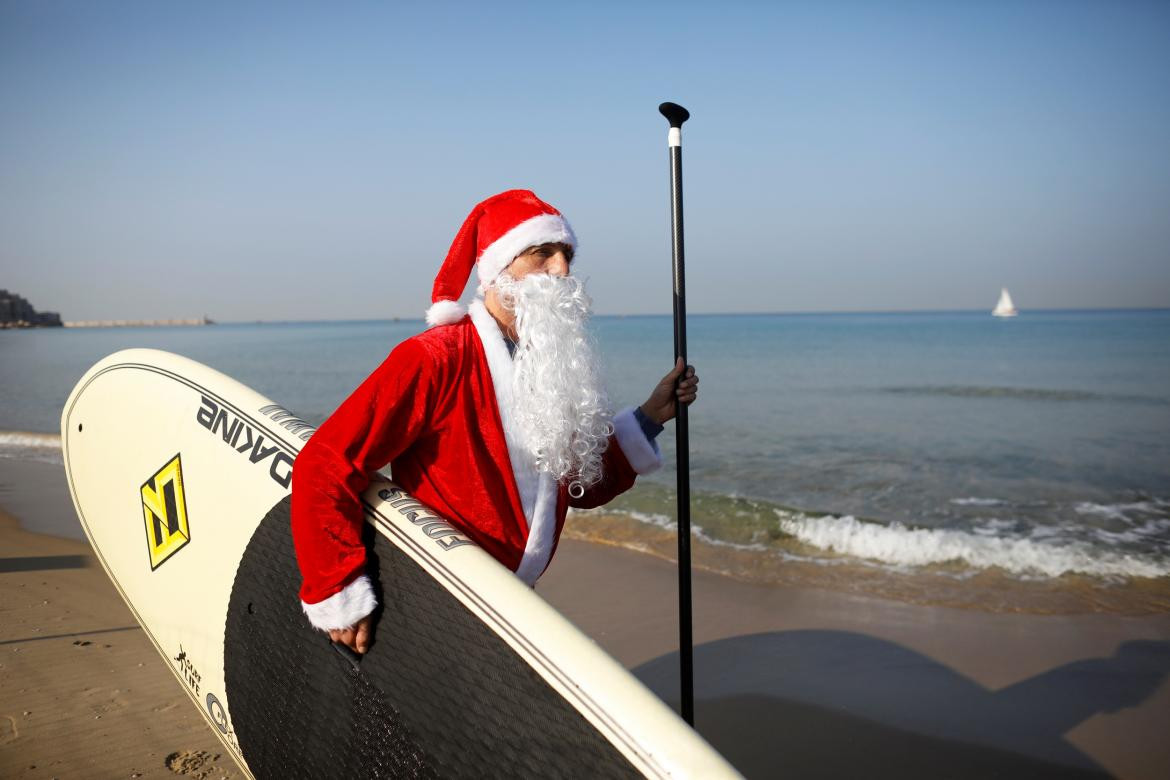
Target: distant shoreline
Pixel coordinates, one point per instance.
(201, 321)
(692, 315)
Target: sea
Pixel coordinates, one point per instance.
(946, 458)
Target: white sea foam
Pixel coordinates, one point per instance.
(27, 440)
(1155, 531)
(23, 445)
(1044, 531)
(1119, 511)
(993, 527)
(975, 501)
(897, 544)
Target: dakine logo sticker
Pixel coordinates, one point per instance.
(232, 428)
(164, 507)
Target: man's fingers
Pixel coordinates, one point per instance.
(356, 637)
(680, 368)
(683, 381)
(363, 636)
(347, 637)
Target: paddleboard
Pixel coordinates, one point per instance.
(181, 480)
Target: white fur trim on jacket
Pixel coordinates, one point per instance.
(542, 529)
(642, 453)
(500, 365)
(345, 607)
(545, 229)
(444, 313)
(538, 493)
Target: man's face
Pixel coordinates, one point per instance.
(551, 259)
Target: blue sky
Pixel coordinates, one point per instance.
(257, 160)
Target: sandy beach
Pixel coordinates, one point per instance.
(83, 693)
(793, 682)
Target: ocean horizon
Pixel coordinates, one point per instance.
(690, 314)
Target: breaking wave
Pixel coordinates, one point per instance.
(50, 441)
(900, 545)
(31, 446)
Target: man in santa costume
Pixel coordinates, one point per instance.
(495, 417)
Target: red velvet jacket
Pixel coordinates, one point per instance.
(429, 410)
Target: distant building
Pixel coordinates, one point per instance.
(16, 312)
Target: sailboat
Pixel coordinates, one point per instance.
(1005, 307)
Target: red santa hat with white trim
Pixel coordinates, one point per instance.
(495, 231)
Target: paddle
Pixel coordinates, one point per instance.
(676, 115)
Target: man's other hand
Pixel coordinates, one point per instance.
(356, 637)
(660, 406)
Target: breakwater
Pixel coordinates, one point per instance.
(137, 323)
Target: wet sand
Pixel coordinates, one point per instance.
(83, 693)
(789, 681)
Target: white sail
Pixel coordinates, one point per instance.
(1005, 307)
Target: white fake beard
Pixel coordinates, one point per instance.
(559, 403)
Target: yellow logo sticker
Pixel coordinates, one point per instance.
(165, 508)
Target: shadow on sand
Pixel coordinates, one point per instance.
(42, 563)
(840, 704)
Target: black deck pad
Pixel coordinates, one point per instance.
(438, 695)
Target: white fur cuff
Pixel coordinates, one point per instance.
(343, 608)
(642, 453)
(444, 313)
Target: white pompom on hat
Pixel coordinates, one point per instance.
(495, 231)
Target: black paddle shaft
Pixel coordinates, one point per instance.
(676, 115)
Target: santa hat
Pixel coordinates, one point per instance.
(495, 231)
